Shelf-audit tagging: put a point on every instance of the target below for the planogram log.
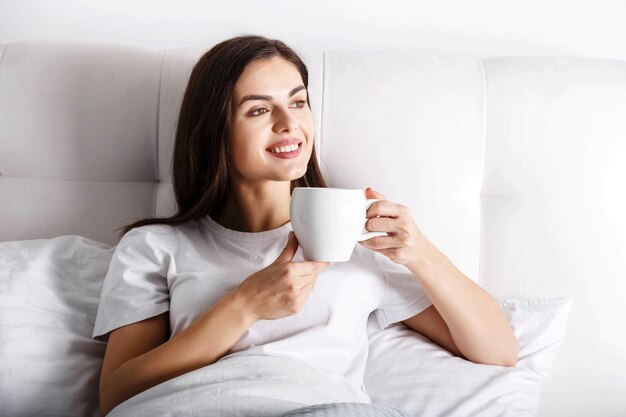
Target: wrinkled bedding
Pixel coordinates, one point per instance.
(346, 410)
(250, 385)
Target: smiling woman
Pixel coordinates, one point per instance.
(246, 100)
(244, 141)
(224, 279)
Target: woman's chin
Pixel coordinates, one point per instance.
(294, 174)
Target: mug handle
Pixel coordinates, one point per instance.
(365, 234)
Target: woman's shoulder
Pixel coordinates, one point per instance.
(168, 229)
(156, 234)
(155, 228)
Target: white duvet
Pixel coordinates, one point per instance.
(245, 385)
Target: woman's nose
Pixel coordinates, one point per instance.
(285, 120)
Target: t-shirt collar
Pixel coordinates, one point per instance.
(249, 236)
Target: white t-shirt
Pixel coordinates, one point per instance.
(185, 269)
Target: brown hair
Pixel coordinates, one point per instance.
(200, 174)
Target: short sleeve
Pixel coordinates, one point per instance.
(404, 296)
(135, 287)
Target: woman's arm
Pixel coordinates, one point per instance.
(464, 318)
(139, 356)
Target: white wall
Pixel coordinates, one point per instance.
(586, 28)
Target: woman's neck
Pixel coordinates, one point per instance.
(253, 215)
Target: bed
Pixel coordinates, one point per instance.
(513, 166)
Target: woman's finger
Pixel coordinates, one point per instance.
(381, 242)
(382, 224)
(384, 208)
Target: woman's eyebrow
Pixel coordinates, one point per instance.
(262, 97)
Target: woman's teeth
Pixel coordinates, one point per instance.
(290, 148)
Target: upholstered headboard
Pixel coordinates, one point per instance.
(514, 167)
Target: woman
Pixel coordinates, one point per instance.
(224, 272)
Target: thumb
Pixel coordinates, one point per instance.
(289, 251)
(371, 193)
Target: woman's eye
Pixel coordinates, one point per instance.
(256, 112)
(301, 103)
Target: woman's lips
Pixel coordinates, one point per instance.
(284, 142)
(287, 155)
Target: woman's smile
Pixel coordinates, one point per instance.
(286, 152)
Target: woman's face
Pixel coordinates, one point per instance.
(258, 123)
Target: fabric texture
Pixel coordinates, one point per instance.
(188, 268)
(49, 292)
(345, 410)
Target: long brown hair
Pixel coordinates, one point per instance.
(200, 174)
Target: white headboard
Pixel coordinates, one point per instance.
(514, 167)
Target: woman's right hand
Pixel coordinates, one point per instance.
(282, 288)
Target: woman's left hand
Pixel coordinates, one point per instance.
(405, 243)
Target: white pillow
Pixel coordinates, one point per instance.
(407, 371)
(49, 293)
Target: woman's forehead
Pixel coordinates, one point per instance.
(273, 77)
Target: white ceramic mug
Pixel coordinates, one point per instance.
(328, 222)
